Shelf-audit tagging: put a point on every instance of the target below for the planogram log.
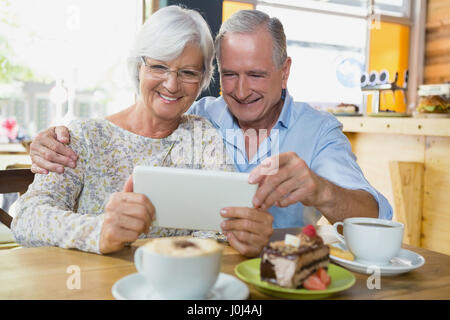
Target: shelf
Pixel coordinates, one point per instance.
(410, 126)
(383, 87)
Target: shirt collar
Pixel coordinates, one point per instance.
(285, 116)
(224, 118)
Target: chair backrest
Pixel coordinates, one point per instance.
(16, 180)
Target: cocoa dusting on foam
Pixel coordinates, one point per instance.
(184, 244)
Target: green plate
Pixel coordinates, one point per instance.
(341, 280)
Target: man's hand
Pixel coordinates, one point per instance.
(49, 152)
(293, 182)
(127, 215)
(296, 182)
(248, 229)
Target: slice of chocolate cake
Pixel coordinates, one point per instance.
(289, 263)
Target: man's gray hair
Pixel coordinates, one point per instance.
(165, 35)
(248, 21)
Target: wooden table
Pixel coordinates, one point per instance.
(43, 273)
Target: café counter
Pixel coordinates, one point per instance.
(408, 161)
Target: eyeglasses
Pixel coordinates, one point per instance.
(161, 71)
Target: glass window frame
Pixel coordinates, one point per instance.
(413, 16)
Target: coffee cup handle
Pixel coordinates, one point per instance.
(138, 259)
(336, 233)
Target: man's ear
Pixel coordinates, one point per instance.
(286, 69)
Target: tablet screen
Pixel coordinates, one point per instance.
(190, 198)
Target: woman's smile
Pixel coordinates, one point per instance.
(167, 99)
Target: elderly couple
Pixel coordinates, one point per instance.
(90, 204)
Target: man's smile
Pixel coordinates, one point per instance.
(247, 101)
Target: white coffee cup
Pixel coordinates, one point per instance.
(372, 241)
(174, 272)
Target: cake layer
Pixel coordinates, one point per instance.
(290, 270)
(297, 280)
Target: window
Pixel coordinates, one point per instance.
(398, 8)
(328, 43)
(81, 45)
(326, 61)
(230, 7)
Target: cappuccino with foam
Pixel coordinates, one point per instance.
(180, 267)
(183, 246)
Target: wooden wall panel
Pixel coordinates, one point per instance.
(436, 209)
(374, 151)
(438, 10)
(437, 47)
(407, 185)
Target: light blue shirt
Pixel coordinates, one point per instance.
(314, 135)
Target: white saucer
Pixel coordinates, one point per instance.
(403, 262)
(134, 287)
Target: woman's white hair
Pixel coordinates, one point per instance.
(164, 36)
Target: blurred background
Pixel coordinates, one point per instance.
(381, 66)
(64, 59)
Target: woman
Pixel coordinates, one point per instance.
(170, 63)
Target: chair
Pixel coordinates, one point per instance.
(408, 189)
(15, 180)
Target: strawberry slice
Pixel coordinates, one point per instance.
(323, 276)
(314, 283)
(309, 230)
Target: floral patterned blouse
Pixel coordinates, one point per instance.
(66, 210)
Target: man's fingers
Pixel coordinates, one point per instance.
(58, 148)
(46, 147)
(294, 197)
(248, 229)
(46, 165)
(54, 157)
(269, 186)
(247, 237)
(282, 191)
(249, 220)
(37, 169)
(244, 213)
(269, 166)
(241, 225)
(243, 248)
(62, 134)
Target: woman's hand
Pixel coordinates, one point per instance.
(49, 152)
(248, 230)
(127, 215)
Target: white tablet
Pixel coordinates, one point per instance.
(192, 199)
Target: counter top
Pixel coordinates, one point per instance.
(397, 125)
(12, 148)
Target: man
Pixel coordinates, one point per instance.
(298, 156)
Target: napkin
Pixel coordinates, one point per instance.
(326, 231)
